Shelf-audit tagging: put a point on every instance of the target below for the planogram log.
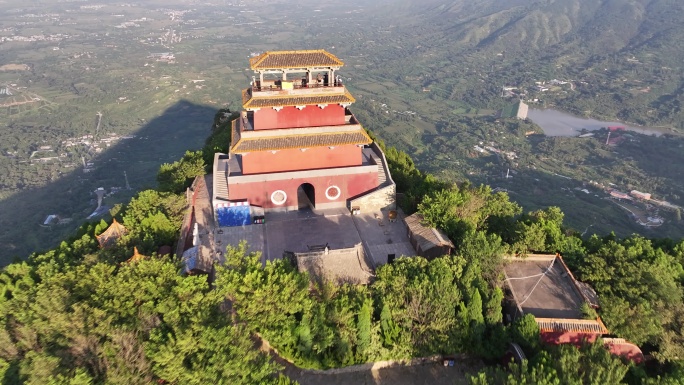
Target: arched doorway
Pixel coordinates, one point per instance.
(306, 196)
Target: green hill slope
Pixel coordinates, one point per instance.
(624, 56)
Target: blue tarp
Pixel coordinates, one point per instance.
(190, 259)
(233, 216)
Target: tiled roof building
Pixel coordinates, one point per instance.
(294, 59)
(295, 144)
(110, 236)
(544, 286)
(428, 241)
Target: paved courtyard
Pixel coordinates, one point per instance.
(382, 237)
(253, 234)
(299, 231)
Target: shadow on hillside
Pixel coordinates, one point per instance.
(183, 126)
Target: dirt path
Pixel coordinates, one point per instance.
(429, 374)
(425, 374)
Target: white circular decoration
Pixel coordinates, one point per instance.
(278, 197)
(333, 192)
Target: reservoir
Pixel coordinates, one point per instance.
(558, 123)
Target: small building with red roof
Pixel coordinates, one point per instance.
(544, 286)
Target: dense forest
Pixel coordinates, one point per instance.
(80, 314)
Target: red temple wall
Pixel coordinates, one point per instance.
(259, 193)
(577, 339)
(626, 349)
(297, 160)
(292, 117)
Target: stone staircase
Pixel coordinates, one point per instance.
(221, 187)
(382, 176)
(220, 181)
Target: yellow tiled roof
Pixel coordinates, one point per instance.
(112, 234)
(294, 59)
(251, 101)
(571, 325)
(136, 256)
(301, 141)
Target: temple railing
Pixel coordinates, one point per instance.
(277, 86)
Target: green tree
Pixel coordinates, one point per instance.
(525, 332)
(591, 364)
(493, 309)
(153, 219)
(540, 231)
(539, 372)
(208, 355)
(640, 289)
(177, 176)
(486, 250)
(390, 331)
(364, 325)
(475, 308)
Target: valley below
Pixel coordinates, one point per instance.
(429, 78)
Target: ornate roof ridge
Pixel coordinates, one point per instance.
(136, 256)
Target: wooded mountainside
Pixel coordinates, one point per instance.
(79, 314)
(625, 57)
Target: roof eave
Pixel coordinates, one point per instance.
(256, 61)
(235, 149)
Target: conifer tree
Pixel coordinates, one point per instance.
(390, 330)
(364, 328)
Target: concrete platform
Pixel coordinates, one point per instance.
(382, 237)
(253, 234)
(295, 231)
(339, 265)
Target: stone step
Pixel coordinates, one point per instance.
(382, 178)
(221, 187)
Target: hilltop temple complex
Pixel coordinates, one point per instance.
(304, 181)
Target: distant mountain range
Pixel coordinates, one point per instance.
(589, 25)
(628, 53)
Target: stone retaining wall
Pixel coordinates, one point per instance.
(266, 347)
(380, 365)
(380, 199)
